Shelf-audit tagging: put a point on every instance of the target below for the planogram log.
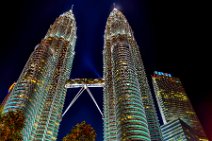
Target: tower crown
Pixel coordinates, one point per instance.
(69, 14)
(114, 12)
(117, 24)
(63, 27)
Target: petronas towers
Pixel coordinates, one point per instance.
(129, 112)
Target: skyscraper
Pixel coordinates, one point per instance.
(174, 103)
(129, 113)
(40, 90)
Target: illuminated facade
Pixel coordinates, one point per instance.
(174, 103)
(129, 112)
(8, 94)
(40, 90)
(178, 130)
(80, 82)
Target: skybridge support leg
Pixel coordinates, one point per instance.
(91, 95)
(74, 99)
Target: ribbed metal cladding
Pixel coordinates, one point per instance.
(124, 113)
(40, 90)
(130, 115)
(148, 103)
(110, 129)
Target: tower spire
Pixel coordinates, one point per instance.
(114, 5)
(72, 7)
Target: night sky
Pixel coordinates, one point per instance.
(172, 36)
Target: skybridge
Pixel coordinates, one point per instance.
(80, 82)
(84, 84)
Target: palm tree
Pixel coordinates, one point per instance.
(81, 132)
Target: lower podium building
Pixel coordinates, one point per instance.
(178, 130)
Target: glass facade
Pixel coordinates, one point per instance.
(174, 103)
(178, 130)
(40, 90)
(129, 113)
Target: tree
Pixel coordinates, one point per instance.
(81, 132)
(1, 109)
(11, 124)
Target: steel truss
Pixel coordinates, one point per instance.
(84, 84)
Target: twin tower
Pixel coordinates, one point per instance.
(129, 112)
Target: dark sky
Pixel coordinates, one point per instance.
(172, 36)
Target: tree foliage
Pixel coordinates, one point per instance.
(1, 109)
(81, 132)
(11, 124)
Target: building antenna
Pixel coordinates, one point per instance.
(72, 7)
(114, 5)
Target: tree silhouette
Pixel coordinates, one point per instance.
(81, 132)
(1, 109)
(11, 124)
